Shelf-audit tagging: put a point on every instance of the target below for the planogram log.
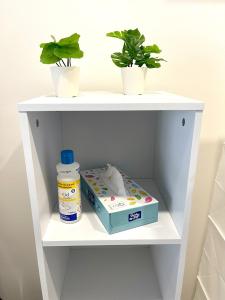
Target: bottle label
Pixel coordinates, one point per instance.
(68, 172)
(69, 200)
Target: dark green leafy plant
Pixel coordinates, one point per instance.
(66, 48)
(133, 51)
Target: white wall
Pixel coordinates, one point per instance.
(192, 36)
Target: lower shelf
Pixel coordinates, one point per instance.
(110, 273)
(90, 231)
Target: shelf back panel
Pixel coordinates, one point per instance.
(124, 139)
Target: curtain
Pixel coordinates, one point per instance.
(211, 276)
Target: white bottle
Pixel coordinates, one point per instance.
(69, 188)
(67, 169)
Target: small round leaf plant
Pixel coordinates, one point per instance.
(61, 52)
(134, 53)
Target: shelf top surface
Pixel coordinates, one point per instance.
(90, 231)
(106, 101)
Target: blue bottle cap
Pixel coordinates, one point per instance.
(67, 157)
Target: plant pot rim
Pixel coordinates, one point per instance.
(65, 68)
(135, 67)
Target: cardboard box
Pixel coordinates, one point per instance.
(118, 213)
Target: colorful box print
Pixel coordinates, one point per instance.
(119, 213)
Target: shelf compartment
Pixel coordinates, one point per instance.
(111, 273)
(90, 231)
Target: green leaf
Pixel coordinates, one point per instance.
(43, 44)
(160, 59)
(133, 40)
(134, 37)
(72, 51)
(66, 48)
(140, 62)
(152, 49)
(47, 54)
(133, 51)
(71, 40)
(121, 60)
(116, 34)
(152, 63)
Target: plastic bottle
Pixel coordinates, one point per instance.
(69, 188)
(67, 168)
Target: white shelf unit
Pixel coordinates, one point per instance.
(154, 139)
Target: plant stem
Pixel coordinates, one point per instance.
(58, 65)
(63, 62)
(52, 36)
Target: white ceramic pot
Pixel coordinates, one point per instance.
(65, 80)
(133, 80)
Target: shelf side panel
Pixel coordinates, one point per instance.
(29, 162)
(177, 151)
(166, 261)
(172, 156)
(46, 145)
(56, 263)
(188, 204)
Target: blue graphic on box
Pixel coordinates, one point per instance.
(134, 216)
(72, 217)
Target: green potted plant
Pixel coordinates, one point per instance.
(134, 59)
(65, 76)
